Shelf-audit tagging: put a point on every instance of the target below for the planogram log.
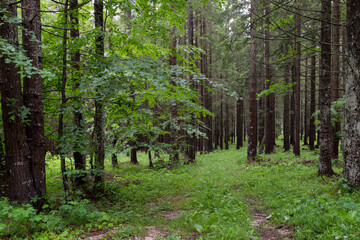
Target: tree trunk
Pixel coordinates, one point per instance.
(312, 131)
(79, 157)
(239, 122)
(252, 125)
(192, 138)
(3, 176)
(335, 75)
(306, 111)
(99, 118)
(286, 120)
(227, 123)
(209, 119)
(174, 155)
(19, 164)
(62, 106)
(270, 99)
(296, 147)
(33, 96)
(133, 156)
(325, 166)
(292, 109)
(221, 125)
(114, 160)
(351, 139)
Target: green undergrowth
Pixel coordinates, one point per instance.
(213, 197)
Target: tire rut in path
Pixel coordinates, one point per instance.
(265, 230)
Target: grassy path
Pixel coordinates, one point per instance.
(221, 196)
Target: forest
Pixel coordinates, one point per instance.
(184, 119)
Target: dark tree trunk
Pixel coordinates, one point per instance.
(227, 123)
(192, 139)
(151, 165)
(312, 131)
(133, 156)
(63, 102)
(270, 99)
(351, 139)
(336, 75)
(261, 112)
(296, 147)
(306, 111)
(114, 160)
(216, 132)
(239, 122)
(174, 155)
(19, 163)
(33, 96)
(208, 99)
(252, 125)
(221, 125)
(325, 166)
(99, 119)
(3, 176)
(79, 157)
(286, 120)
(292, 110)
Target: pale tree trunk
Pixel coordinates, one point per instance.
(336, 75)
(296, 147)
(99, 119)
(351, 139)
(252, 125)
(325, 166)
(18, 159)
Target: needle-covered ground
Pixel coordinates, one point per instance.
(221, 196)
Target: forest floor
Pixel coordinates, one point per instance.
(221, 196)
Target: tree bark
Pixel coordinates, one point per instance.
(33, 96)
(239, 122)
(270, 99)
(3, 176)
(192, 138)
(79, 157)
(292, 109)
(296, 147)
(325, 166)
(227, 123)
(221, 125)
(286, 120)
(19, 164)
(306, 111)
(335, 75)
(312, 131)
(63, 102)
(351, 139)
(99, 118)
(252, 125)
